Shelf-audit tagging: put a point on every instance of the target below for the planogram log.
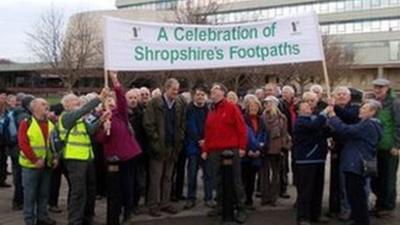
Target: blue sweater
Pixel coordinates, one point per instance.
(309, 139)
(360, 141)
(195, 121)
(255, 140)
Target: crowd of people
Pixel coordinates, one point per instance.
(135, 147)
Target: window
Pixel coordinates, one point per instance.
(308, 8)
(279, 11)
(357, 4)
(324, 8)
(349, 28)
(332, 7)
(376, 25)
(358, 27)
(271, 13)
(375, 3)
(394, 25)
(316, 8)
(394, 48)
(286, 11)
(301, 9)
(348, 5)
(385, 25)
(325, 29)
(394, 2)
(264, 14)
(333, 29)
(367, 4)
(341, 28)
(367, 26)
(340, 6)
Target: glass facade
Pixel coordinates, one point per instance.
(173, 4)
(290, 10)
(361, 26)
(323, 7)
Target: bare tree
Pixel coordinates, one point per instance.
(69, 50)
(82, 48)
(195, 14)
(46, 39)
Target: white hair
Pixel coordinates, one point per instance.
(309, 94)
(144, 89)
(66, 98)
(341, 89)
(34, 102)
(156, 92)
(251, 98)
(288, 88)
(374, 104)
(316, 87)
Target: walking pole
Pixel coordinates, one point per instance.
(227, 187)
(108, 131)
(326, 77)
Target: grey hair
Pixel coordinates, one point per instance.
(33, 103)
(309, 94)
(249, 98)
(341, 89)
(143, 89)
(289, 88)
(376, 105)
(316, 86)
(67, 98)
(170, 82)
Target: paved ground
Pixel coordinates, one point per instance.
(283, 214)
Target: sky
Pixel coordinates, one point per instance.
(17, 17)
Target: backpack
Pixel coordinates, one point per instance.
(11, 133)
(4, 124)
(57, 144)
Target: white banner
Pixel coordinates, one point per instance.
(143, 46)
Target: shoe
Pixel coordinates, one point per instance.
(154, 212)
(46, 221)
(139, 210)
(284, 195)
(181, 198)
(250, 207)
(344, 216)
(303, 223)
(5, 185)
(321, 219)
(189, 204)
(385, 214)
(214, 212)
(54, 209)
(170, 209)
(17, 206)
(264, 203)
(210, 204)
(241, 216)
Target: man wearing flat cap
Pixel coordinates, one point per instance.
(384, 186)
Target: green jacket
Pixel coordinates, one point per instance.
(390, 119)
(154, 124)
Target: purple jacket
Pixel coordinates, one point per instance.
(121, 143)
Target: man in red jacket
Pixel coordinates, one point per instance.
(225, 129)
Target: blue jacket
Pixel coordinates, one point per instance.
(255, 141)
(349, 115)
(195, 121)
(360, 143)
(309, 139)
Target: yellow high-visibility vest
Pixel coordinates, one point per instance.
(78, 145)
(38, 143)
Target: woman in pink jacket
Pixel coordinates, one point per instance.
(120, 150)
